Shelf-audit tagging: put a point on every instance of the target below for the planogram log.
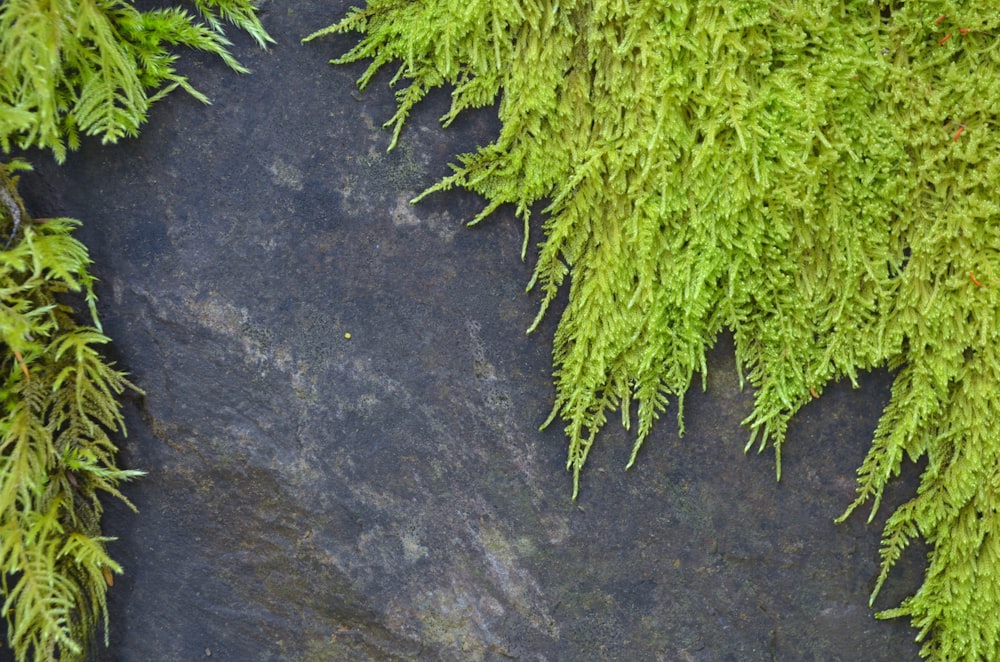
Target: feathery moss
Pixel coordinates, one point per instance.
(70, 68)
(59, 401)
(94, 67)
(818, 177)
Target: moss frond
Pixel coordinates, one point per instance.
(93, 67)
(60, 407)
(241, 13)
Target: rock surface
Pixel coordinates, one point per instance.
(388, 496)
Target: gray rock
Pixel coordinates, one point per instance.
(388, 496)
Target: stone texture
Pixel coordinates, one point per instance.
(388, 496)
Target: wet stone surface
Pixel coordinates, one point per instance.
(388, 496)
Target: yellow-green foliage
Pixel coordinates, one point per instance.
(69, 67)
(818, 176)
(59, 402)
(94, 66)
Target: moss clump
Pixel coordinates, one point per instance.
(818, 177)
(69, 67)
(59, 402)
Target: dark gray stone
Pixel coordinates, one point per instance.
(388, 496)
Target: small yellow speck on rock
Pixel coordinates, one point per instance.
(347, 336)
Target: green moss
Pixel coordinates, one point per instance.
(818, 177)
(59, 407)
(69, 67)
